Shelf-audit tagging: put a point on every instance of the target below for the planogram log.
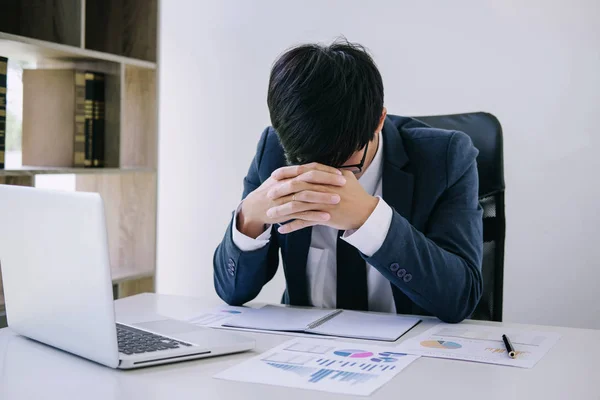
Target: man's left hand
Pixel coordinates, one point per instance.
(351, 212)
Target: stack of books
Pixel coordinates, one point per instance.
(88, 150)
(3, 86)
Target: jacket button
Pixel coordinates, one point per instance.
(231, 263)
(394, 267)
(407, 278)
(401, 273)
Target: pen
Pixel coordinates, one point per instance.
(509, 347)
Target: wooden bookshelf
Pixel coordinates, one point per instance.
(118, 38)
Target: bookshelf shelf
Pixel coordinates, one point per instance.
(34, 50)
(32, 171)
(120, 275)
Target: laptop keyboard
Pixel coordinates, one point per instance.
(135, 341)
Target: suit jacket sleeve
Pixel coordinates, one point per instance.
(440, 269)
(239, 276)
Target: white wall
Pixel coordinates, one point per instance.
(535, 64)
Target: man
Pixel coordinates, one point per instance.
(370, 211)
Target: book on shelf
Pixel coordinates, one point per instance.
(80, 120)
(65, 107)
(99, 121)
(89, 119)
(93, 154)
(3, 87)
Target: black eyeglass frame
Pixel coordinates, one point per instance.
(358, 166)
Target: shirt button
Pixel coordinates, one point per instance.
(407, 278)
(394, 267)
(401, 273)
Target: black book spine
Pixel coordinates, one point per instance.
(99, 130)
(89, 118)
(3, 87)
(80, 110)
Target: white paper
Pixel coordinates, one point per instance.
(481, 343)
(217, 316)
(336, 367)
(367, 325)
(278, 318)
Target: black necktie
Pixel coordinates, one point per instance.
(352, 293)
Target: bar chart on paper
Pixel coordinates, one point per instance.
(316, 364)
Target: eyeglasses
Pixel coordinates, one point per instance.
(356, 168)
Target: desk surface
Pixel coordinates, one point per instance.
(29, 370)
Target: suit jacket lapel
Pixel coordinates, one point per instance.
(397, 184)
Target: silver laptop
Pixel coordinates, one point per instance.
(58, 290)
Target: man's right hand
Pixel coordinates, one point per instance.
(252, 217)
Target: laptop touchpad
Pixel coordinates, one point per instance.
(167, 327)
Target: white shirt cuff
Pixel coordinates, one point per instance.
(369, 237)
(246, 243)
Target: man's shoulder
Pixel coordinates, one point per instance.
(413, 130)
(431, 148)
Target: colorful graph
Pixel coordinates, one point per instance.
(341, 376)
(364, 366)
(386, 357)
(391, 354)
(440, 344)
(302, 371)
(352, 353)
(518, 354)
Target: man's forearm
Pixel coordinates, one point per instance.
(240, 275)
(447, 284)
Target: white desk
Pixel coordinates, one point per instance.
(28, 370)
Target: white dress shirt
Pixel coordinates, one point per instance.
(321, 268)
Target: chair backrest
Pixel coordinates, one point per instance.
(486, 133)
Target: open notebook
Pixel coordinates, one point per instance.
(340, 323)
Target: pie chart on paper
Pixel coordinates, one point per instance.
(440, 344)
(352, 353)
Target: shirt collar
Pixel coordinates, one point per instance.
(372, 175)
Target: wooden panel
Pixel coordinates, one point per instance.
(48, 117)
(112, 124)
(130, 206)
(133, 287)
(19, 181)
(34, 50)
(124, 27)
(1, 291)
(139, 118)
(57, 21)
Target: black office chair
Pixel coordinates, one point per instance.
(486, 133)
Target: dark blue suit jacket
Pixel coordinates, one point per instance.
(430, 180)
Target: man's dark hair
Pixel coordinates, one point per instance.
(325, 102)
